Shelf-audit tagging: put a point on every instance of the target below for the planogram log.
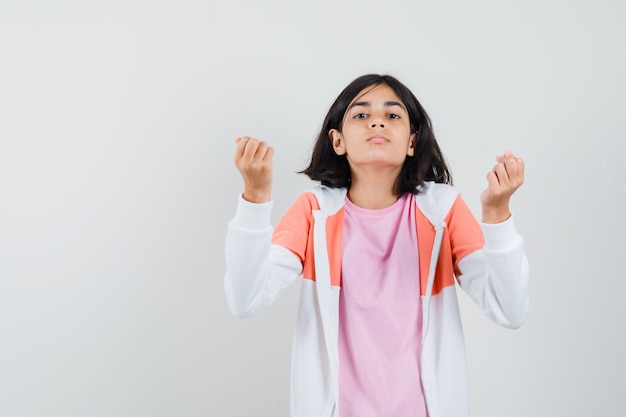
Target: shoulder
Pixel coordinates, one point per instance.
(435, 190)
(329, 200)
(435, 200)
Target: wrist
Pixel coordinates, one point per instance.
(492, 215)
(256, 196)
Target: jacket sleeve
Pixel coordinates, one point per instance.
(257, 271)
(495, 274)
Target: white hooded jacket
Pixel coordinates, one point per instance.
(487, 261)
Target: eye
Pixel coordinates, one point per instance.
(393, 116)
(360, 116)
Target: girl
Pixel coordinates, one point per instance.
(379, 246)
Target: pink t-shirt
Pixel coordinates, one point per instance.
(380, 323)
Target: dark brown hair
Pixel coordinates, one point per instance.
(427, 164)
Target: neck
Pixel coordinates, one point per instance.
(372, 191)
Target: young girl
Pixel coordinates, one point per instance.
(379, 246)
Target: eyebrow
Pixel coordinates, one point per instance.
(368, 104)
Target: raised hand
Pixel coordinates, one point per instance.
(253, 159)
(502, 181)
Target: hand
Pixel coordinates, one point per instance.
(253, 159)
(505, 178)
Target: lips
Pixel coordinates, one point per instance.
(377, 139)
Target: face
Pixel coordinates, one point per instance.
(376, 130)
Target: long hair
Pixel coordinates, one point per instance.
(427, 164)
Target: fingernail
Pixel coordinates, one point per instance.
(237, 140)
(507, 154)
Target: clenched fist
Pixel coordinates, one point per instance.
(253, 159)
(503, 180)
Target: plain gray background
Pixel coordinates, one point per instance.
(117, 122)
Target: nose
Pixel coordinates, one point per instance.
(378, 120)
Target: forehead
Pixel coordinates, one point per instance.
(376, 93)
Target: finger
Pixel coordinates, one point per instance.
(246, 149)
(515, 169)
(505, 156)
(513, 164)
(501, 173)
(264, 156)
(510, 164)
(261, 151)
(240, 145)
(242, 140)
(520, 169)
(269, 155)
(250, 149)
(510, 173)
(492, 180)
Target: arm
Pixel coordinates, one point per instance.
(257, 271)
(496, 276)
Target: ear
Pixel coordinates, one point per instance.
(336, 138)
(411, 150)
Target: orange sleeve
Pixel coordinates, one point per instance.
(294, 228)
(466, 235)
